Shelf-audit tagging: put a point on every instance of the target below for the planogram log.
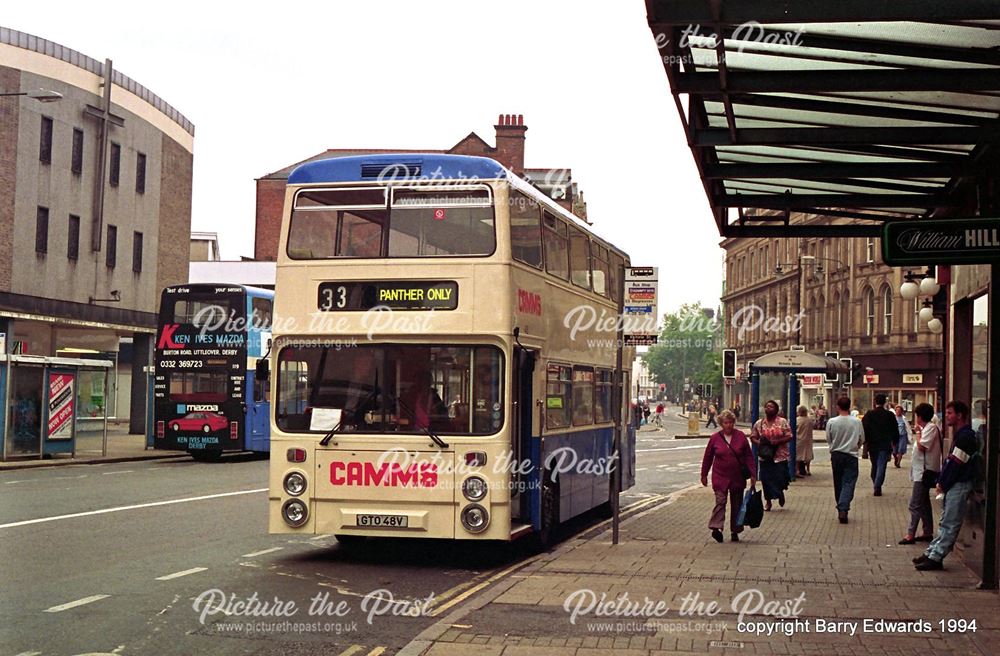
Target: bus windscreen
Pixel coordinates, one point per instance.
(453, 390)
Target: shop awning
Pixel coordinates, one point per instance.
(843, 110)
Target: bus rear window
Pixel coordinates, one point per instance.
(204, 311)
(198, 387)
(414, 222)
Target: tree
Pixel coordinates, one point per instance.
(688, 347)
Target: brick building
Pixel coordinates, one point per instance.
(845, 299)
(509, 151)
(88, 243)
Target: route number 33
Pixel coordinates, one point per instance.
(333, 298)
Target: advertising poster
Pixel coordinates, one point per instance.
(61, 406)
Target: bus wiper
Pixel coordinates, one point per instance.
(427, 429)
(373, 395)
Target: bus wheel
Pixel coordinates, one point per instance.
(206, 456)
(550, 515)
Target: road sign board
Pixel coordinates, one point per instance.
(640, 305)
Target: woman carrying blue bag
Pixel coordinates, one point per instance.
(729, 456)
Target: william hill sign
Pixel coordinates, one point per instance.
(941, 241)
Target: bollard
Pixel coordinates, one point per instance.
(694, 424)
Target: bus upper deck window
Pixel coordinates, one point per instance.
(435, 221)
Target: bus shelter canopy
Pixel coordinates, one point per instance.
(798, 362)
(837, 109)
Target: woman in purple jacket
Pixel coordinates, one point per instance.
(731, 460)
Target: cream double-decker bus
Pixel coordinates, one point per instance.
(444, 354)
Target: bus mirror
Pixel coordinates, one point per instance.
(263, 370)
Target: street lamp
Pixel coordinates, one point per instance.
(41, 95)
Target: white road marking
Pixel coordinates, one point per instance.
(78, 602)
(125, 471)
(177, 575)
(153, 504)
(261, 553)
(30, 653)
(642, 469)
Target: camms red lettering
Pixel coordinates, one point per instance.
(367, 474)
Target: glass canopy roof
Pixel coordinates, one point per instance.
(835, 108)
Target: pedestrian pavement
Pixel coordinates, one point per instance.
(590, 597)
(121, 447)
(745, 426)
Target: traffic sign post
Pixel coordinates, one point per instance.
(639, 313)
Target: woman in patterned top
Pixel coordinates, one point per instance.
(772, 434)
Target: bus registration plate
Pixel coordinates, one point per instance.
(382, 521)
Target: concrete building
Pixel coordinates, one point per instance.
(557, 183)
(95, 195)
(829, 295)
(644, 384)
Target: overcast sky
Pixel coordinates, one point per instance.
(267, 87)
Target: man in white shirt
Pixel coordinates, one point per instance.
(844, 435)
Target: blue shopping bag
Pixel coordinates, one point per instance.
(751, 510)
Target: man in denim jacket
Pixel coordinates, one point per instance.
(956, 481)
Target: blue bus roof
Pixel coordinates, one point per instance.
(408, 167)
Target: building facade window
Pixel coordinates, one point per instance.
(73, 238)
(42, 230)
(111, 248)
(115, 168)
(140, 176)
(137, 252)
(76, 164)
(870, 249)
(45, 141)
(869, 312)
(886, 310)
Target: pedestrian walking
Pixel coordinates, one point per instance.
(804, 441)
(736, 411)
(772, 434)
(899, 446)
(711, 417)
(881, 432)
(959, 475)
(844, 435)
(821, 417)
(729, 456)
(924, 467)
(645, 412)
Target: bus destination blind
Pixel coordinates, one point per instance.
(403, 295)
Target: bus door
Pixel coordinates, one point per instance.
(521, 432)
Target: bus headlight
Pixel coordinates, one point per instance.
(474, 488)
(295, 483)
(475, 518)
(294, 513)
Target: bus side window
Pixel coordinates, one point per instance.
(556, 247)
(603, 398)
(261, 319)
(579, 257)
(599, 264)
(583, 396)
(558, 396)
(616, 274)
(525, 231)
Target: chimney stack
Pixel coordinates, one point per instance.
(510, 141)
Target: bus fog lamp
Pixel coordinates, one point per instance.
(475, 519)
(294, 513)
(474, 488)
(295, 483)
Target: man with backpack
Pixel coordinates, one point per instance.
(958, 477)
